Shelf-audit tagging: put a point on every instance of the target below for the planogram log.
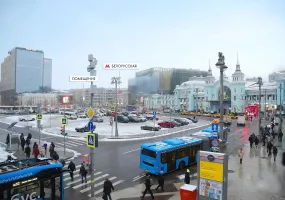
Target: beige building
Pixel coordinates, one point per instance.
(33, 99)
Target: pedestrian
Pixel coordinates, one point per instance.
(28, 151)
(45, 148)
(275, 151)
(256, 141)
(280, 136)
(148, 184)
(187, 176)
(264, 139)
(269, 148)
(35, 144)
(160, 181)
(23, 142)
(251, 140)
(36, 151)
(8, 141)
(83, 173)
(52, 144)
(28, 141)
(51, 150)
(72, 168)
(107, 188)
(240, 155)
(55, 156)
(22, 136)
(30, 136)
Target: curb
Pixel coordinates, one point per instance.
(147, 138)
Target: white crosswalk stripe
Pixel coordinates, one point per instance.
(70, 143)
(99, 178)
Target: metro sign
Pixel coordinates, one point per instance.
(107, 66)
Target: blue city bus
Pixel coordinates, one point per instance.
(31, 179)
(170, 154)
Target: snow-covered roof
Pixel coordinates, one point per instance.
(250, 85)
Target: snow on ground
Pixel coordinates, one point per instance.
(3, 154)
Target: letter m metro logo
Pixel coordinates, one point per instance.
(107, 66)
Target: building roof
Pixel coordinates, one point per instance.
(250, 85)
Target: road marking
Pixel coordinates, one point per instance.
(96, 185)
(75, 142)
(66, 143)
(78, 180)
(138, 178)
(88, 182)
(101, 190)
(67, 169)
(131, 151)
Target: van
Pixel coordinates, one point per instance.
(241, 120)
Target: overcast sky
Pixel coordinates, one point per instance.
(152, 33)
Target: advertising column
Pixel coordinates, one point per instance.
(212, 176)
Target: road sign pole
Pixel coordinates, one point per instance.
(39, 123)
(63, 131)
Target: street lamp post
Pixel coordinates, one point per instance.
(221, 65)
(280, 120)
(116, 81)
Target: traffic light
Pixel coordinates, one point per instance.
(62, 129)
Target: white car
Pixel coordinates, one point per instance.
(72, 117)
(241, 121)
(26, 118)
(142, 118)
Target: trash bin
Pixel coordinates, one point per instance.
(188, 192)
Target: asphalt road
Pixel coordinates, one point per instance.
(120, 160)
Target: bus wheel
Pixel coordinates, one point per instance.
(182, 165)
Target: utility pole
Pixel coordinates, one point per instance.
(280, 120)
(39, 122)
(197, 89)
(265, 104)
(91, 69)
(221, 65)
(259, 104)
(116, 81)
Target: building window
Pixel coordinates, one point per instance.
(273, 97)
(235, 98)
(241, 97)
(241, 89)
(244, 97)
(235, 90)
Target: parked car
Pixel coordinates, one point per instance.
(150, 127)
(97, 118)
(82, 116)
(122, 118)
(150, 117)
(133, 119)
(125, 113)
(181, 121)
(142, 118)
(82, 128)
(194, 120)
(166, 124)
(177, 124)
(26, 118)
(74, 117)
(9, 112)
(108, 113)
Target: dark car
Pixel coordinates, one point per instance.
(166, 124)
(192, 119)
(176, 123)
(181, 121)
(121, 118)
(83, 128)
(150, 128)
(125, 113)
(108, 113)
(96, 118)
(150, 117)
(133, 119)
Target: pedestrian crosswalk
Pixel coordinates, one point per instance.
(85, 188)
(70, 143)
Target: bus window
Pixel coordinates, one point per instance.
(192, 154)
(27, 191)
(47, 189)
(149, 153)
(57, 188)
(163, 158)
(4, 195)
(182, 152)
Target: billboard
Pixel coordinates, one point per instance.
(121, 66)
(65, 99)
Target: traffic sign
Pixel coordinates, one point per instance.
(215, 143)
(113, 108)
(215, 127)
(92, 140)
(154, 113)
(39, 116)
(64, 121)
(91, 126)
(215, 135)
(90, 112)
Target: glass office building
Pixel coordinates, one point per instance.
(22, 71)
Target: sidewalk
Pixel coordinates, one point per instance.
(259, 177)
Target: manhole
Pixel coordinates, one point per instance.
(263, 157)
(231, 171)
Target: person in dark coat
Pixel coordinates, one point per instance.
(269, 148)
(264, 139)
(55, 156)
(22, 136)
(72, 168)
(52, 144)
(28, 151)
(107, 188)
(51, 150)
(30, 136)
(280, 136)
(8, 140)
(160, 181)
(256, 142)
(275, 151)
(187, 176)
(28, 141)
(83, 173)
(148, 185)
(23, 142)
(251, 140)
